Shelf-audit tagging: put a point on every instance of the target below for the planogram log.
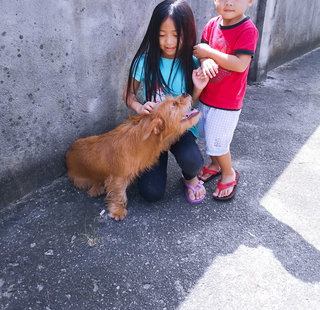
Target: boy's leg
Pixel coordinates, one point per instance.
(152, 183)
(207, 118)
(219, 130)
(213, 165)
(227, 174)
(189, 158)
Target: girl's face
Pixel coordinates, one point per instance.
(168, 39)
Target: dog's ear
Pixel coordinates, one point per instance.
(156, 126)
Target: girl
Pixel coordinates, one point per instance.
(165, 64)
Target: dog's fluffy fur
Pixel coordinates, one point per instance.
(109, 162)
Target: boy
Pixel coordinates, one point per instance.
(229, 41)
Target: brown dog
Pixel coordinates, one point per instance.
(109, 162)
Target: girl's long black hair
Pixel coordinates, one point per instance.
(183, 18)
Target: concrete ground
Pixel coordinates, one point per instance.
(258, 251)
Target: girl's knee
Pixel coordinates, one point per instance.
(151, 194)
(151, 190)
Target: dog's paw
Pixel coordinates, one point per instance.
(118, 213)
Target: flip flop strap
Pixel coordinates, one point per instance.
(205, 170)
(194, 189)
(227, 185)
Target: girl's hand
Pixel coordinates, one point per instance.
(146, 108)
(200, 80)
(209, 67)
(201, 50)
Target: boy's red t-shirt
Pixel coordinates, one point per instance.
(226, 90)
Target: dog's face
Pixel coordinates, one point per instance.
(173, 116)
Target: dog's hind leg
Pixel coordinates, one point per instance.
(116, 197)
(96, 189)
(81, 183)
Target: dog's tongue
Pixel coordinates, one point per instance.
(191, 114)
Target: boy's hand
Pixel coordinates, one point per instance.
(200, 80)
(209, 67)
(201, 50)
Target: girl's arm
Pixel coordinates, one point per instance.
(237, 63)
(200, 81)
(132, 101)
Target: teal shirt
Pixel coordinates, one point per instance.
(176, 83)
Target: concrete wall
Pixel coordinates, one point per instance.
(63, 66)
(289, 29)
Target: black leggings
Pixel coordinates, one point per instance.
(152, 183)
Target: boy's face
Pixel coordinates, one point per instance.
(232, 11)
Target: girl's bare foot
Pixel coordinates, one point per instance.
(200, 193)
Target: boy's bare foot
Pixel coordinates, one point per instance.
(226, 186)
(208, 172)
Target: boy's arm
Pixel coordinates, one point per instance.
(237, 63)
(209, 66)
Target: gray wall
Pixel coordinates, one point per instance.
(290, 29)
(62, 70)
(63, 66)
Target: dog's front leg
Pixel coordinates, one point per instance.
(116, 197)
